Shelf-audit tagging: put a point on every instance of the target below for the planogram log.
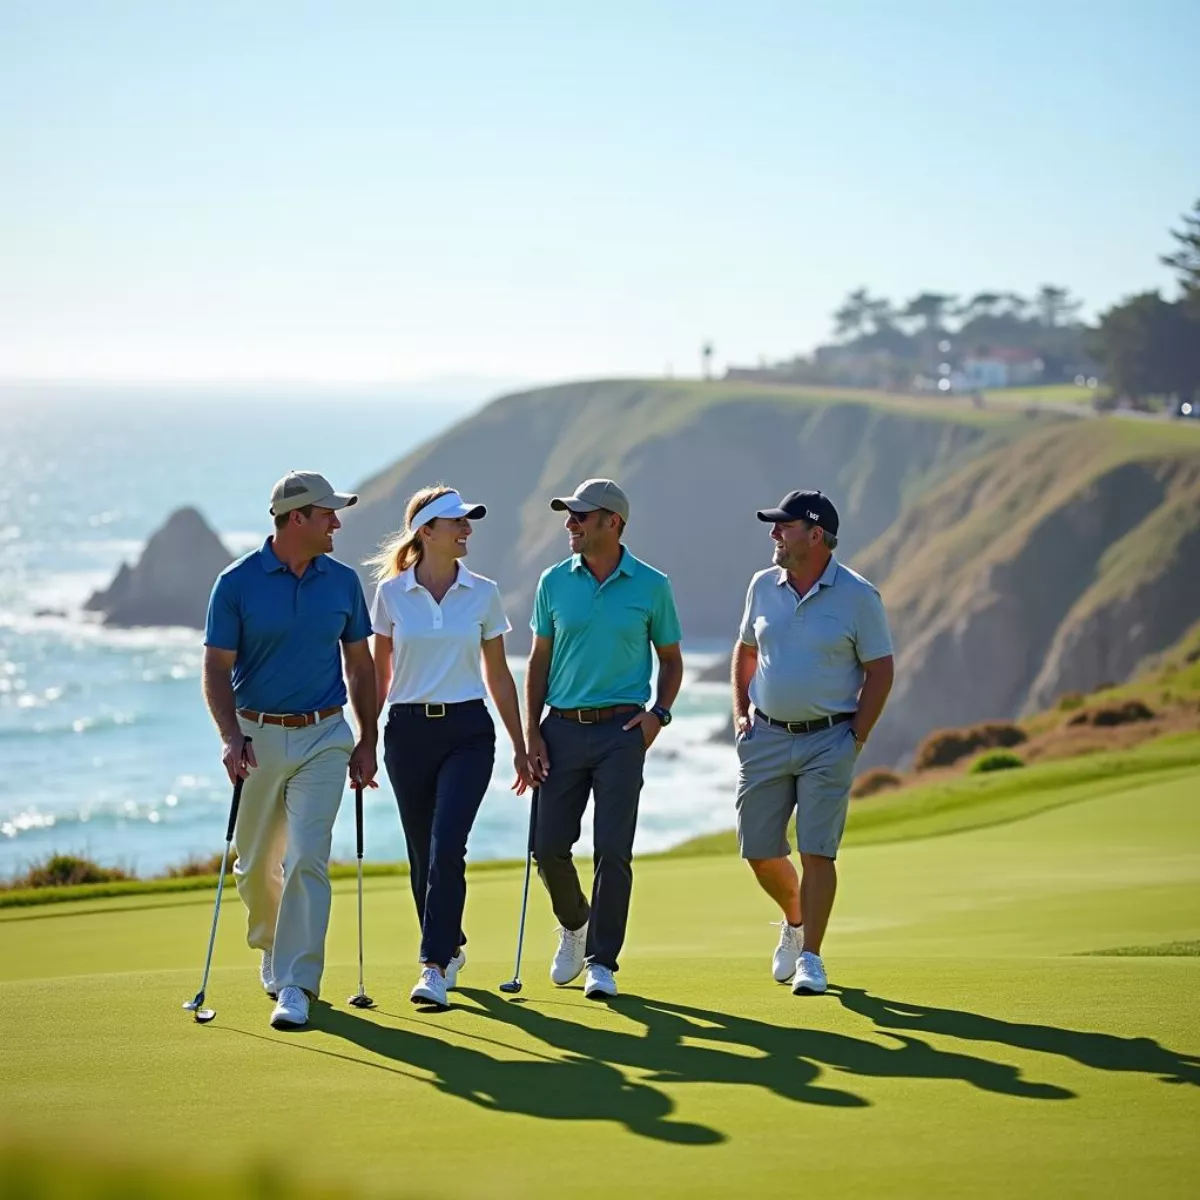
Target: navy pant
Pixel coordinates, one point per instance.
(603, 760)
(439, 768)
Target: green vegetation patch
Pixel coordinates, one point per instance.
(1165, 950)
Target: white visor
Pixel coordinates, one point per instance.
(450, 505)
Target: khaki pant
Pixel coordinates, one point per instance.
(283, 836)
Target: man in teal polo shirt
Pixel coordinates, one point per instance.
(595, 618)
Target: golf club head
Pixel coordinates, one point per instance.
(362, 1000)
(195, 1003)
(511, 988)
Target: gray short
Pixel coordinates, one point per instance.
(780, 771)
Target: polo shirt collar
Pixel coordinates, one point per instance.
(828, 576)
(464, 578)
(272, 563)
(270, 560)
(625, 565)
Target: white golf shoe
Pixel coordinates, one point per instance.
(568, 961)
(453, 967)
(292, 1010)
(430, 989)
(599, 983)
(787, 953)
(809, 979)
(266, 972)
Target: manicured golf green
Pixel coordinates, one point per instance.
(974, 1041)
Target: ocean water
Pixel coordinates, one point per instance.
(106, 748)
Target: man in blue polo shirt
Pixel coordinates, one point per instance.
(273, 682)
(814, 657)
(595, 618)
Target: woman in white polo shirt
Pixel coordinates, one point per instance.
(439, 634)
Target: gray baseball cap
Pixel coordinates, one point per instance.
(298, 488)
(592, 494)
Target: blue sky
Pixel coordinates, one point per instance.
(396, 191)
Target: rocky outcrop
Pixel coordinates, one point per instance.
(171, 581)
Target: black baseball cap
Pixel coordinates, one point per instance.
(814, 507)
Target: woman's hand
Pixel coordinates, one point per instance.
(524, 772)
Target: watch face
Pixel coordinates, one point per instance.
(663, 714)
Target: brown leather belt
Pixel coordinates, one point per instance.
(288, 720)
(593, 716)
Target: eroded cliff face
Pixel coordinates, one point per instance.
(695, 474)
(1018, 558)
(1052, 599)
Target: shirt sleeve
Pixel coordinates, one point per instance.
(381, 616)
(664, 620)
(746, 632)
(495, 621)
(358, 627)
(542, 620)
(872, 638)
(223, 625)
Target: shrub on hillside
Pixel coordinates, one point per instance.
(879, 779)
(61, 870)
(1125, 713)
(996, 760)
(1070, 701)
(945, 747)
(209, 864)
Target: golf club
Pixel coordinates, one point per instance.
(513, 986)
(360, 999)
(195, 1005)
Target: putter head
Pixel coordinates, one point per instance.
(361, 1000)
(195, 1007)
(511, 988)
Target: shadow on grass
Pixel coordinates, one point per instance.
(585, 1079)
(571, 1089)
(1101, 1051)
(786, 1061)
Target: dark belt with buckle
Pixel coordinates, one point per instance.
(807, 726)
(593, 716)
(288, 720)
(434, 711)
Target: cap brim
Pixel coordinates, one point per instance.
(572, 504)
(774, 514)
(336, 500)
(473, 512)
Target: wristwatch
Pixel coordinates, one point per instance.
(663, 714)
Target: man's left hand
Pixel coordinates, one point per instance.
(363, 767)
(651, 726)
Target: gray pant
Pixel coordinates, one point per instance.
(605, 760)
(780, 773)
(283, 837)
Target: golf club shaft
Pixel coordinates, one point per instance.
(358, 829)
(212, 937)
(533, 806)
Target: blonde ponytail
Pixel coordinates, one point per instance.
(403, 549)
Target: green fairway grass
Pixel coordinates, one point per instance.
(988, 1030)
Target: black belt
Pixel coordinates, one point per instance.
(807, 726)
(433, 711)
(593, 716)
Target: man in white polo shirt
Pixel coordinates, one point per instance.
(814, 657)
